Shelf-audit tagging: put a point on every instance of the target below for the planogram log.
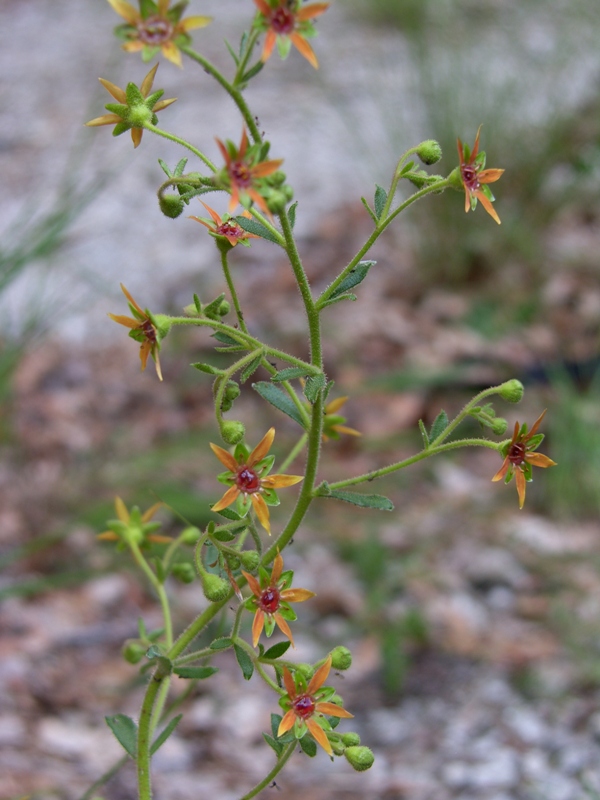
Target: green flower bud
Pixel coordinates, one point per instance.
(337, 748)
(232, 390)
(277, 178)
(224, 308)
(511, 391)
(306, 670)
(215, 588)
(190, 535)
(341, 658)
(250, 560)
(171, 205)
(351, 739)
(429, 151)
(232, 431)
(233, 561)
(276, 201)
(226, 404)
(133, 651)
(360, 758)
(499, 426)
(184, 572)
(288, 192)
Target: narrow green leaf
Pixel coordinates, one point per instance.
(231, 52)
(423, 430)
(440, 424)
(125, 730)
(195, 673)
(197, 303)
(290, 373)
(308, 745)
(292, 213)
(208, 368)
(369, 209)
(275, 723)
(250, 368)
(337, 298)
(406, 168)
(277, 650)
(164, 735)
(257, 228)
(229, 513)
(221, 644)
(225, 338)
(254, 70)
(353, 278)
(376, 501)
(273, 743)
(313, 386)
(245, 662)
(277, 397)
(380, 200)
(212, 308)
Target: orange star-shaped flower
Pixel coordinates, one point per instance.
(333, 423)
(271, 598)
(143, 330)
(475, 178)
(243, 169)
(249, 481)
(520, 457)
(286, 22)
(304, 706)
(133, 526)
(225, 226)
(156, 27)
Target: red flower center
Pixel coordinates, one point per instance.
(149, 331)
(240, 173)
(247, 480)
(304, 706)
(269, 600)
(227, 229)
(469, 177)
(516, 453)
(283, 21)
(155, 31)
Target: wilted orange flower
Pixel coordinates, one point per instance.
(134, 107)
(244, 168)
(249, 481)
(305, 706)
(156, 27)
(520, 457)
(475, 178)
(271, 598)
(227, 227)
(133, 526)
(143, 330)
(286, 22)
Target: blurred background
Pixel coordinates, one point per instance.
(475, 627)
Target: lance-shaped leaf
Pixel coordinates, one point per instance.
(278, 398)
(125, 730)
(257, 228)
(380, 200)
(376, 501)
(440, 424)
(353, 278)
(165, 733)
(290, 373)
(195, 673)
(245, 662)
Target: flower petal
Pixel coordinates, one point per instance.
(190, 23)
(163, 104)
(225, 458)
(257, 626)
(128, 322)
(146, 86)
(333, 710)
(144, 353)
(147, 515)
(296, 595)
(277, 569)
(489, 175)
(320, 676)
(535, 426)
(278, 481)
(252, 583)
(520, 480)
(126, 11)
(262, 511)
(172, 53)
(227, 499)
(539, 460)
(502, 471)
(319, 734)
(264, 168)
(287, 723)
(121, 510)
(488, 206)
(269, 44)
(262, 448)
(263, 7)
(305, 49)
(284, 627)
(310, 11)
(348, 431)
(105, 119)
(115, 91)
(289, 684)
(335, 405)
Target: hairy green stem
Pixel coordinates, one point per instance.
(281, 762)
(144, 735)
(232, 290)
(294, 452)
(431, 451)
(463, 413)
(158, 588)
(178, 140)
(234, 93)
